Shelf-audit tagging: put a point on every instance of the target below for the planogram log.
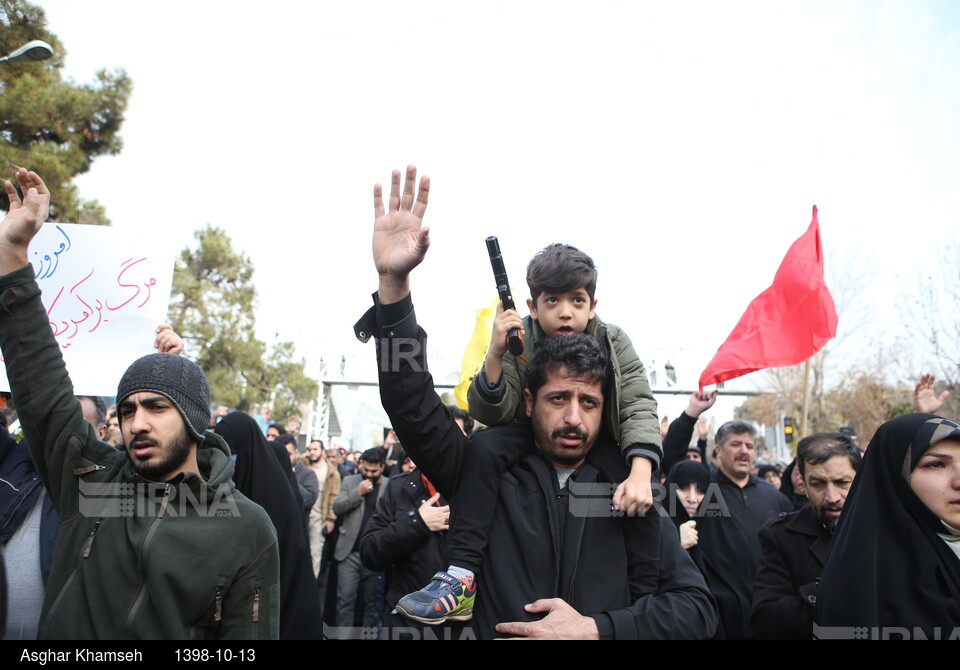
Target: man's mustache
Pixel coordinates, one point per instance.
(570, 431)
(139, 439)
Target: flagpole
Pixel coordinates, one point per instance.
(806, 398)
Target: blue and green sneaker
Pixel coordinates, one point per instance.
(445, 598)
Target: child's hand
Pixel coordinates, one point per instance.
(634, 496)
(502, 324)
(505, 321)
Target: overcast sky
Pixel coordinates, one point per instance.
(682, 145)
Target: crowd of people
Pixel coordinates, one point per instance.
(573, 513)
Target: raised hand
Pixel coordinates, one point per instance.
(700, 402)
(167, 342)
(924, 398)
(24, 219)
(703, 428)
(504, 321)
(400, 240)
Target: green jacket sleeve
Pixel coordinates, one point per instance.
(60, 440)
(638, 420)
(251, 607)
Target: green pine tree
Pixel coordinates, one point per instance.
(50, 125)
(212, 307)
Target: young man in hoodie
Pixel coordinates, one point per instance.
(154, 542)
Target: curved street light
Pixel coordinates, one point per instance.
(31, 51)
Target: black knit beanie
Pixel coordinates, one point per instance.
(176, 377)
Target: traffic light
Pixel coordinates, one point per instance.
(788, 429)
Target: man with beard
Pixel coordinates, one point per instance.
(794, 547)
(559, 563)
(307, 483)
(321, 514)
(153, 542)
(355, 504)
(729, 540)
(113, 435)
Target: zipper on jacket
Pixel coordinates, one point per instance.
(66, 585)
(22, 494)
(138, 600)
(255, 631)
(163, 501)
(88, 545)
(218, 610)
(576, 567)
(89, 468)
(551, 516)
(84, 553)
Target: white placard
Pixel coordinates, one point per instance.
(105, 291)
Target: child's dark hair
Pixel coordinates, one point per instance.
(578, 354)
(560, 268)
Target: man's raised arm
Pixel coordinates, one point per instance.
(421, 421)
(42, 391)
(677, 440)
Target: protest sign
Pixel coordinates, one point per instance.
(105, 290)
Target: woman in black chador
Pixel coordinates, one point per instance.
(895, 562)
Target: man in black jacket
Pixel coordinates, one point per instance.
(728, 540)
(794, 546)
(307, 482)
(407, 538)
(557, 567)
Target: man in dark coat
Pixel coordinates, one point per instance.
(557, 566)
(728, 539)
(307, 482)
(354, 507)
(407, 538)
(794, 546)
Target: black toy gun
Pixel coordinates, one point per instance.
(514, 341)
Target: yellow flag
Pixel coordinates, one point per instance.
(476, 350)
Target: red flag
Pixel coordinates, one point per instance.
(786, 324)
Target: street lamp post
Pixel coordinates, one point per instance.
(31, 51)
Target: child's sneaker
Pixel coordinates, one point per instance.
(444, 598)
